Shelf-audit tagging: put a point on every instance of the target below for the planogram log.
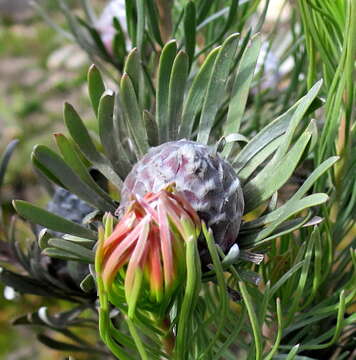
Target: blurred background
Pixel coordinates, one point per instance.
(39, 70)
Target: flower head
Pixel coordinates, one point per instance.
(145, 253)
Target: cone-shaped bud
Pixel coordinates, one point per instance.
(145, 253)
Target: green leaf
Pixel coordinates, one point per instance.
(70, 179)
(164, 74)
(119, 45)
(272, 216)
(151, 127)
(45, 172)
(60, 254)
(153, 17)
(87, 284)
(176, 93)
(24, 284)
(134, 115)
(273, 131)
(133, 68)
(71, 157)
(216, 88)
(241, 87)
(82, 253)
(96, 87)
(81, 136)
(257, 161)
(300, 111)
(88, 243)
(63, 346)
(4, 161)
(292, 354)
(140, 25)
(51, 221)
(191, 291)
(256, 328)
(43, 238)
(249, 240)
(284, 278)
(273, 176)
(190, 30)
(196, 95)
(112, 145)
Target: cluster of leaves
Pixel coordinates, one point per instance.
(201, 92)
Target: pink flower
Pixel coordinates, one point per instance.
(145, 253)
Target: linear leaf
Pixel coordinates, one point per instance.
(63, 346)
(249, 241)
(259, 159)
(81, 136)
(216, 88)
(272, 216)
(241, 87)
(84, 254)
(177, 85)
(290, 210)
(300, 111)
(112, 146)
(134, 116)
(96, 87)
(51, 221)
(46, 173)
(133, 68)
(24, 284)
(153, 17)
(70, 179)
(151, 127)
(164, 74)
(196, 94)
(71, 157)
(272, 131)
(271, 178)
(4, 161)
(190, 30)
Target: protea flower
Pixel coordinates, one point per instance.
(207, 182)
(147, 247)
(176, 165)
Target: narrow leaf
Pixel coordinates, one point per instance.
(96, 87)
(216, 87)
(190, 30)
(70, 179)
(133, 115)
(71, 157)
(56, 223)
(164, 74)
(84, 254)
(176, 92)
(133, 68)
(81, 136)
(196, 95)
(241, 87)
(268, 181)
(4, 161)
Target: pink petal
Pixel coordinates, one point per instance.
(166, 245)
(155, 266)
(125, 225)
(136, 257)
(113, 259)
